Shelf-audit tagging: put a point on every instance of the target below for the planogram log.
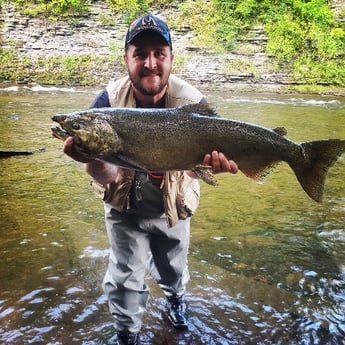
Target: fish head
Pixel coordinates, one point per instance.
(93, 135)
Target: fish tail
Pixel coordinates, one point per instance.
(319, 157)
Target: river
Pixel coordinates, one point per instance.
(267, 263)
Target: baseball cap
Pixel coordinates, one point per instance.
(148, 22)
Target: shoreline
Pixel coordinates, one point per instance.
(89, 53)
(9, 86)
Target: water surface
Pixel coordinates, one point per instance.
(267, 263)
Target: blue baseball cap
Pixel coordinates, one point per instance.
(148, 22)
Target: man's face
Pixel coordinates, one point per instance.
(149, 59)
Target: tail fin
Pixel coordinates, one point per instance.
(319, 157)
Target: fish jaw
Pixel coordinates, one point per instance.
(59, 133)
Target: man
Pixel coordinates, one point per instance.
(147, 215)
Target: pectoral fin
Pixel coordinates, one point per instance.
(205, 173)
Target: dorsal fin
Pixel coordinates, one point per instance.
(280, 130)
(203, 109)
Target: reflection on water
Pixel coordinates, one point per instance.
(267, 264)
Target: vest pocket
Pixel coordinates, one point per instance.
(188, 196)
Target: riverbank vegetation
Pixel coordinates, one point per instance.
(304, 37)
(52, 10)
(83, 70)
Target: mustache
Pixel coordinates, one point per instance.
(147, 72)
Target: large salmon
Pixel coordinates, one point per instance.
(158, 140)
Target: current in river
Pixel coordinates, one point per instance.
(267, 263)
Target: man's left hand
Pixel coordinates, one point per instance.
(220, 163)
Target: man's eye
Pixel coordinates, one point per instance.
(140, 55)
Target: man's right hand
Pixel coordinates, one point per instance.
(100, 171)
(69, 150)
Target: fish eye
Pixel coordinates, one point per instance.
(76, 126)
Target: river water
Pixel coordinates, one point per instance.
(267, 263)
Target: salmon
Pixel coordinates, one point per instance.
(159, 140)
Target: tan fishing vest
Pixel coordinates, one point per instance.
(181, 193)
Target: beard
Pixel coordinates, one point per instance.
(149, 83)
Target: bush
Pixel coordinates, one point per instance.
(53, 9)
(302, 35)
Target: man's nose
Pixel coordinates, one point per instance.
(151, 61)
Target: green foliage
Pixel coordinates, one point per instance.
(131, 8)
(134, 8)
(200, 17)
(302, 34)
(12, 66)
(306, 36)
(54, 70)
(116, 53)
(6, 59)
(106, 20)
(330, 72)
(52, 9)
(285, 38)
(303, 28)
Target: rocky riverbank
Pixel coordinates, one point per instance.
(100, 34)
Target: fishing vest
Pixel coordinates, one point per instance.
(181, 192)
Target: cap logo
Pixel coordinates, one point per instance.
(145, 23)
(149, 21)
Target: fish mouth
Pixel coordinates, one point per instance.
(59, 133)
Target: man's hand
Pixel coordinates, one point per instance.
(220, 163)
(69, 150)
(100, 171)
